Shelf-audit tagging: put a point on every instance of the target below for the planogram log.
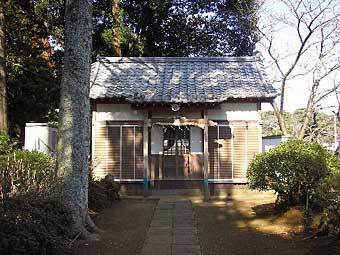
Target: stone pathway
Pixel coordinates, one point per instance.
(173, 230)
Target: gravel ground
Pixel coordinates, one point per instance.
(240, 224)
(125, 225)
(245, 225)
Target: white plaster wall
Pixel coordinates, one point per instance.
(188, 114)
(270, 142)
(156, 140)
(117, 112)
(196, 140)
(234, 111)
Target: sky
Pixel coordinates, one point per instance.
(276, 20)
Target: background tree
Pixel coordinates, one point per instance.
(32, 65)
(337, 115)
(34, 40)
(116, 15)
(74, 118)
(175, 28)
(310, 50)
(320, 127)
(3, 96)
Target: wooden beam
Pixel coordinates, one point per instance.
(181, 122)
(146, 153)
(206, 158)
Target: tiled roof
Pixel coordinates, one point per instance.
(179, 80)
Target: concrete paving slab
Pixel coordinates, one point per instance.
(169, 207)
(162, 216)
(159, 239)
(163, 212)
(181, 238)
(184, 218)
(161, 224)
(179, 214)
(182, 207)
(173, 230)
(185, 230)
(180, 249)
(183, 224)
(156, 249)
(160, 231)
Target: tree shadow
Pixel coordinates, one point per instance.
(241, 225)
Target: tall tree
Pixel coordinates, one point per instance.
(117, 50)
(3, 96)
(74, 119)
(310, 50)
(175, 28)
(32, 66)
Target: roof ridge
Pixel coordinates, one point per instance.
(175, 59)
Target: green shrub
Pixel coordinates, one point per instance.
(31, 225)
(98, 196)
(112, 188)
(327, 196)
(102, 192)
(292, 169)
(6, 144)
(26, 171)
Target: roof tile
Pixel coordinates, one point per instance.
(180, 80)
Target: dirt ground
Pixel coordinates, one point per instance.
(247, 224)
(242, 223)
(125, 225)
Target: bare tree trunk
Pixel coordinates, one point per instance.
(117, 51)
(74, 119)
(3, 96)
(279, 116)
(309, 110)
(282, 97)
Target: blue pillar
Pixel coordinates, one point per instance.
(145, 186)
(146, 153)
(206, 158)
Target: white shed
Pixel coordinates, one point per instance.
(41, 137)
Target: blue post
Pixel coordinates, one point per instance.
(206, 189)
(145, 186)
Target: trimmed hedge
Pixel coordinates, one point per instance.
(297, 170)
(291, 169)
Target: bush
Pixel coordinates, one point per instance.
(30, 225)
(293, 170)
(6, 144)
(26, 171)
(102, 193)
(112, 188)
(327, 196)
